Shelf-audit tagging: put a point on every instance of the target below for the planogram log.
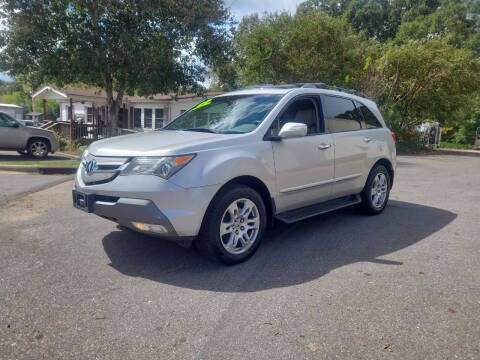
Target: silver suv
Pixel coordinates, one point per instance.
(220, 173)
(26, 140)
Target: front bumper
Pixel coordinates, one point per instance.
(148, 199)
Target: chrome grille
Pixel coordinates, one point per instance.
(100, 169)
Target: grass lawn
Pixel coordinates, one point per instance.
(41, 163)
(447, 145)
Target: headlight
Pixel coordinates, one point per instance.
(164, 167)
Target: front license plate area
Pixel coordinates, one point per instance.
(83, 201)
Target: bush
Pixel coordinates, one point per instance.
(62, 141)
(408, 138)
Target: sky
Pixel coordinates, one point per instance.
(240, 8)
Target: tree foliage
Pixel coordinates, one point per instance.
(281, 48)
(121, 46)
(417, 58)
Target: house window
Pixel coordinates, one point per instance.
(137, 118)
(89, 115)
(158, 118)
(147, 118)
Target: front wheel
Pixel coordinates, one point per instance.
(38, 148)
(234, 225)
(376, 192)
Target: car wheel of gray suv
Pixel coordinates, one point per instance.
(234, 225)
(376, 191)
(37, 148)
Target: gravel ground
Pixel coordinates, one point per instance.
(402, 285)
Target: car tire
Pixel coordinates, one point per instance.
(38, 148)
(376, 192)
(22, 152)
(234, 225)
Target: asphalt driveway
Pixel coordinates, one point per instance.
(402, 285)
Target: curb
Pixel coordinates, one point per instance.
(45, 170)
(443, 151)
(70, 156)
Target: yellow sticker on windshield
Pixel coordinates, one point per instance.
(202, 104)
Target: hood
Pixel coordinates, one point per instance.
(156, 143)
(37, 131)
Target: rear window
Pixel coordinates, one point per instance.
(369, 120)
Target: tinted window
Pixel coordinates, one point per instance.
(369, 121)
(340, 114)
(6, 121)
(301, 111)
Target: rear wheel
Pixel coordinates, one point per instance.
(376, 192)
(234, 225)
(38, 148)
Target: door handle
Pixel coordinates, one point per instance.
(367, 139)
(324, 146)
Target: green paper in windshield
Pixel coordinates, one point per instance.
(202, 104)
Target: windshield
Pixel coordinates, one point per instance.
(226, 114)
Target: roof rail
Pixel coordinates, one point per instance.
(318, 85)
(271, 86)
(332, 87)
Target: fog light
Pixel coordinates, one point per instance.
(160, 229)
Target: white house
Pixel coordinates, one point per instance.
(15, 111)
(137, 112)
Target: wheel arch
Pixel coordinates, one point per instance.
(257, 185)
(385, 162)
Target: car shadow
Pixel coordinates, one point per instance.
(290, 254)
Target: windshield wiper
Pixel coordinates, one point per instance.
(202, 130)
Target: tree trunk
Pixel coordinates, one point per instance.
(113, 107)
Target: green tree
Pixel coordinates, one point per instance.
(424, 80)
(307, 47)
(121, 46)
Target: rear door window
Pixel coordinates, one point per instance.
(340, 114)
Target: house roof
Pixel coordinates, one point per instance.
(49, 92)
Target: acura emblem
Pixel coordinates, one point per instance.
(90, 166)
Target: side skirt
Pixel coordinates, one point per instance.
(306, 212)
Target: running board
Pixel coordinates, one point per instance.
(295, 215)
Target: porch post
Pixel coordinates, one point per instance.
(70, 114)
(44, 103)
(124, 118)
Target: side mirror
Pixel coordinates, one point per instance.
(16, 125)
(293, 129)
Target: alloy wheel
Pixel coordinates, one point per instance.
(38, 148)
(239, 226)
(379, 190)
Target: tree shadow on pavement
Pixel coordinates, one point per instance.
(289, 255)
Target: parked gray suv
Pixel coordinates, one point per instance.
(26, 140)
(220, 173)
